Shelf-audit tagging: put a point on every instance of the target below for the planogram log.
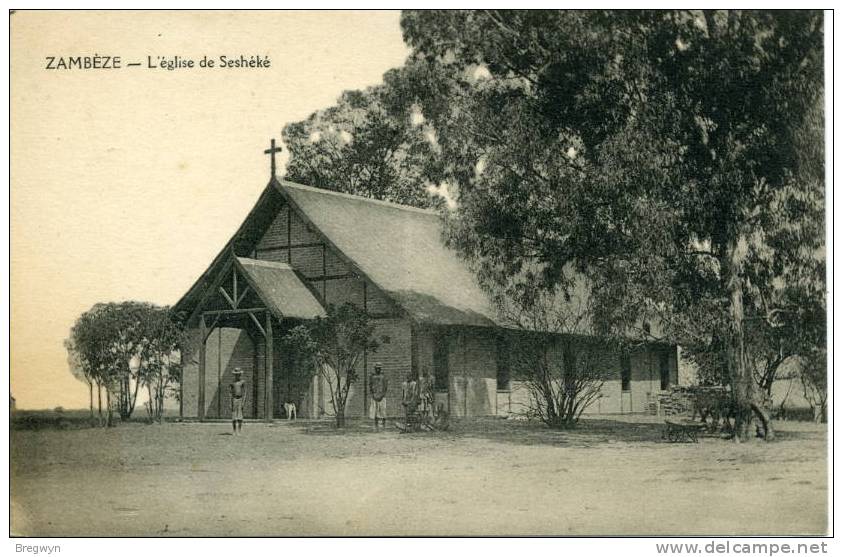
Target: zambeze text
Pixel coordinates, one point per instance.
(95, 62)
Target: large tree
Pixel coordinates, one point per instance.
(373, 142)
(159, 342)
(123, 346)
(91, 346)
(646, 147)
(675, 158)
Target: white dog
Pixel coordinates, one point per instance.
(290, 409)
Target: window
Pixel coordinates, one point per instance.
(626, 371)
(440, 363)
(503, 363)
(664, 369)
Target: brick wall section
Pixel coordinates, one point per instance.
(314, 397)
(425, 341)
(341, 291)
(300, 232)
(190, 374)
(276, 234)
(308, 261)
(333, 264)
(472, 368)
(644, 385)
(278, 255)
(377, 302)
(472, 352)
(258, 357)
(226, 349)
(394, 356)
(314, 261)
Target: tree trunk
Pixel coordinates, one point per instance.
(109, 420)
(91, 400)
(824, 411)
(134, 398)
(122, 395)
(340, 417)
(151, 402)
(744, 389)
(99, 403)
(161, 391)
(569, 362)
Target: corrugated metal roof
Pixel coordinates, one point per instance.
(400, 249)
(280, 287)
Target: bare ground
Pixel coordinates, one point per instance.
(487, 477)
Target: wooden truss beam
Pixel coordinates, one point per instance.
(232, 311)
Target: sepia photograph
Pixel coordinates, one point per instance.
(419, 273)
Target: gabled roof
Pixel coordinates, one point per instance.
(280, 288)
(396, 247)
(400, 249)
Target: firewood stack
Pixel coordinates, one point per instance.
(681, 398)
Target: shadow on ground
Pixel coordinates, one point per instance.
(590, 432)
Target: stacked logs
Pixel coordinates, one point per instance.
(684, 399)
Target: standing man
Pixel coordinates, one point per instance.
(377, 388)
(426, 395)
(410, 395)
(410, 401)
(238, 392)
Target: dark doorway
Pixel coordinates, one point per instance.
(664, 369)
(503, 363)
(626, 371)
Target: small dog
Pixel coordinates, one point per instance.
(290, 409)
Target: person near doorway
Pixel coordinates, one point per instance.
(378, 386)
(426, 397)
(238, 393)
(410, 401)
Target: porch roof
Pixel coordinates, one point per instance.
(280, 288)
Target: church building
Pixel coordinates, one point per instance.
(301, 249)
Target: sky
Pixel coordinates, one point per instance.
(125, 183)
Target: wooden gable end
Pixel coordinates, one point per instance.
(289, 239)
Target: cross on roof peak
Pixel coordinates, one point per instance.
(271, 152)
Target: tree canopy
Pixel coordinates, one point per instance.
(335, 345)
(123, 346)
(372, 142)
(672, 157)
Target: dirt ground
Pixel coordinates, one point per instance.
(486, 477)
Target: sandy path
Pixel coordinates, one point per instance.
(488, 477)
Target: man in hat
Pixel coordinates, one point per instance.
(238, 392)
(377, 388)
